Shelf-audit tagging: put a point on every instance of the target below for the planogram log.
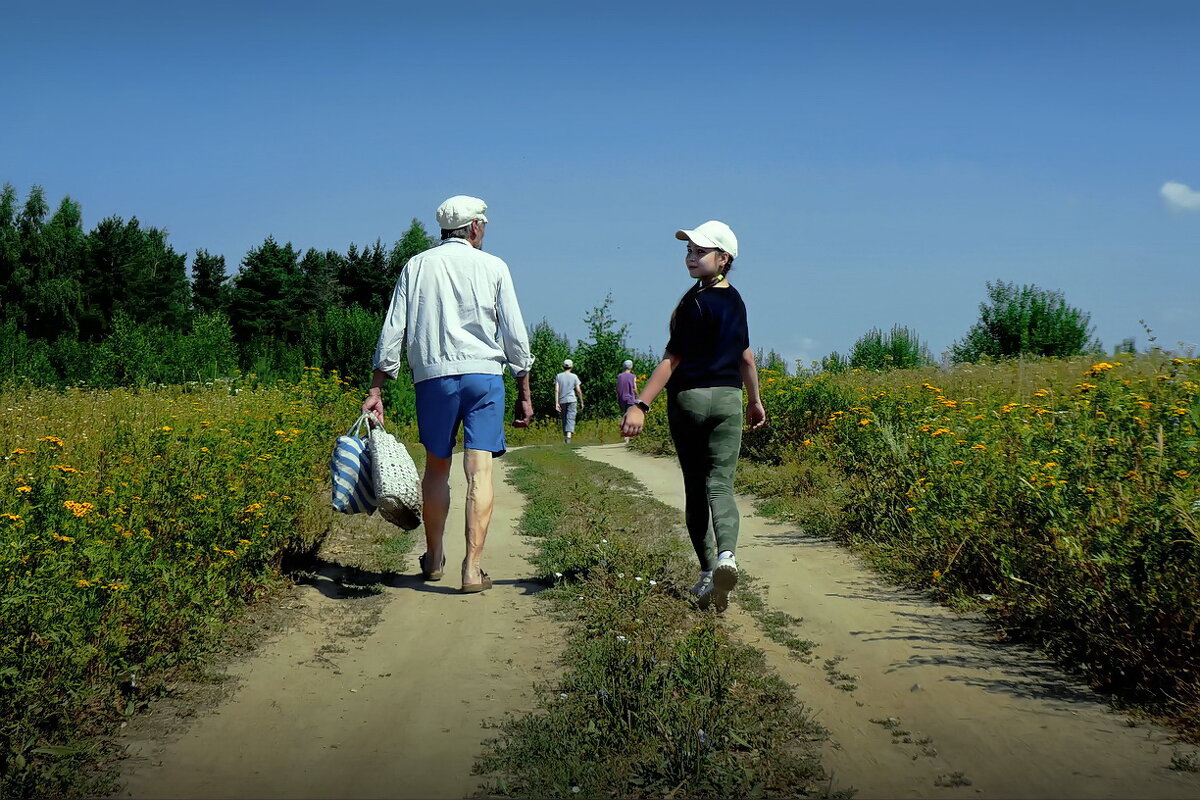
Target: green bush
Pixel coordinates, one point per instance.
(1025, 321)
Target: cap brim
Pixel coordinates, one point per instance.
(696, 238)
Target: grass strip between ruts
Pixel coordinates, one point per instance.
(655, 698)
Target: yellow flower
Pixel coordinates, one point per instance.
(199, 496)
(65, 468)
(78, 509)
(166, 428)
(52, 440)
(957, 463)
(11, 517)
(979, 447)
(1181, 473)
(864, 422)
(24, 489)
(60, 538)
(911, 509)
(82, 582)
(20, 451)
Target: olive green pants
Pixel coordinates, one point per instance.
(706, 426)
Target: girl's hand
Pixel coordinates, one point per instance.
(756, 416)
(633, 421)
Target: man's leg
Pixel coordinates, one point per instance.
(480, 502)
(435, 495)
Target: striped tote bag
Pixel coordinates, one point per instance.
(350, 472)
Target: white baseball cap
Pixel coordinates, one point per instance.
(460, 211)
(711, 234)
(568, 363)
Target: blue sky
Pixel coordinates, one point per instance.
(879, 161)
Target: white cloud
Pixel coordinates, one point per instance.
(1180, 196)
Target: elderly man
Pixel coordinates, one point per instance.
(455, 310)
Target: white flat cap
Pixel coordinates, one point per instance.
(460, 211)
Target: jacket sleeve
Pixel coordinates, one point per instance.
(514, 337)
(391, 339)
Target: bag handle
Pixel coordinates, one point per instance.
(368, 420)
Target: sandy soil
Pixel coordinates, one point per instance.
(388, 695)
(367, 696)
(965, 707)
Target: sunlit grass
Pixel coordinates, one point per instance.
(132, 523)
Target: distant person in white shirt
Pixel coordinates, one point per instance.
(568, 388)
(455, 309)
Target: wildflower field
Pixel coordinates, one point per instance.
(133, 524)
(1061, 496)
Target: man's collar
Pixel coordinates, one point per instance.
(456, 239)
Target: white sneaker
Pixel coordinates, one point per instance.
(724, 579)
(702, 592)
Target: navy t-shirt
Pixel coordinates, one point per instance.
(709, 336)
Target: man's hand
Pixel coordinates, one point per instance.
(524, 413)
(633, 421)
(373, 405)
(756, 415)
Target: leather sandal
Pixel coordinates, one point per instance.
(432, 575)
(484, 584)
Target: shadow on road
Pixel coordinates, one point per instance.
(968, 644)
(338, 582)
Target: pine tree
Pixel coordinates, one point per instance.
(12, 300)
(55, 296)
(133, 271)
(354, 276)
(210, 284)
(319, 290)
(263, 300)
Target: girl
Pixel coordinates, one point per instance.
(706, 364)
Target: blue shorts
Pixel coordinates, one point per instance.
(476, 401)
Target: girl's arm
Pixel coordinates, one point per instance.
(756, 415)
(635, 419)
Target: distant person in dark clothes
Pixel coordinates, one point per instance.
(626, 389)
(706, 364)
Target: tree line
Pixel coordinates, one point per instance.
(118, 305)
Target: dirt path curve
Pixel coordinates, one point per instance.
(938, 701)
(396, 712)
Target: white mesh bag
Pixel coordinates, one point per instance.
(397, 488)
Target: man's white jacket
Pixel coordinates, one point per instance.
(456, 310)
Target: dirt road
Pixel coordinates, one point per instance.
(938, 701)
(397, 712)
(390, 702)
